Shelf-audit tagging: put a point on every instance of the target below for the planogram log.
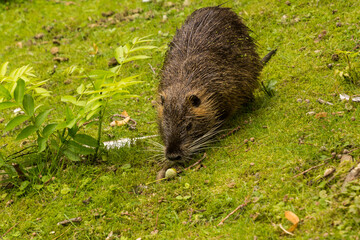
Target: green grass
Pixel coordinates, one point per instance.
(287, 139)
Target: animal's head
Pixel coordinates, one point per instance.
(187, 119)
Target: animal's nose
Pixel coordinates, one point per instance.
(173, 157)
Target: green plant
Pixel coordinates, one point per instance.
(64, 137)
(351, 73)
(269, 88)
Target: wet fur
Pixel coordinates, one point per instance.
(211, 70)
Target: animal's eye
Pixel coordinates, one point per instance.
(188, 127)
(162, 99)
(195, 101)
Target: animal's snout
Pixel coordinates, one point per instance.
(173, 157)
(173, 152)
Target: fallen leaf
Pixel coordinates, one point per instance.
(125, 114)
(54, 50)
(120, 123)
(39, 36)
(19, 44)
(108, 14)
(292, 218)
(61, 59)
(321, 115)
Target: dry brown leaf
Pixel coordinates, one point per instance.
(321, 115)
(125, 114)
(54, 50)
(292, 218)
(19, 44)
(61, 59)
(120, 123)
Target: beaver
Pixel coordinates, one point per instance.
(210, 71)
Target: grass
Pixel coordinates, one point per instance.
(287, 139)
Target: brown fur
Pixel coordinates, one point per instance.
(210, 71)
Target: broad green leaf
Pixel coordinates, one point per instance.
(92, 113)
(54, 144)
(80, 89)
(3, 69)
(128, 79)
(134, 58)
(2, 161)
(37, 186)
(119, 54)
(42, 92)
(126, 48)
(41, 117)
(26, 132)
(71, 155)
(28, 103)
(4, 92)
(49, 129)
(61, 125)
(73, 130)
(70, 124)
(24, 185)
(121, 85)
(68, 113)
(86, 140)
(72, 100)
(68, 98)
(41, 144)
(80, 149)
(98, 83)
(134, 41)
(142, 48)
(5, 105)
(16, 121)
(101, 74)
(19, 91)
(93, 99)
(96, 106)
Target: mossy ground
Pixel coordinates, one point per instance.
(287, 139)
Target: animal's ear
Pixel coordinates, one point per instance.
(162, 99)
(194, 100)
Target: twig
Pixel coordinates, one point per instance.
(156, 222)
(21, 150)
(246, 201)
(24, 154)
(324, 102)
(352, 150)
(308, 170)
(193, 165)
(152, 69)
(71, 220)
(9, 230)
(230, 133)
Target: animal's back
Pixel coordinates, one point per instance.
(213, 51)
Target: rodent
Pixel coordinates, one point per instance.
(211, 69)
